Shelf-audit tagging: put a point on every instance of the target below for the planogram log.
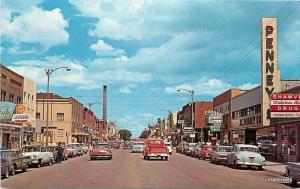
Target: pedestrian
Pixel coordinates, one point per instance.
(60, 151)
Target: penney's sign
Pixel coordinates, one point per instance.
(270, 75)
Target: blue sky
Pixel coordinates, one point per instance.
(145, 49)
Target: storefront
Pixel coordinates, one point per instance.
(288, 141)
(10, 136)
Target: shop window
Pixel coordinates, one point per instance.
(60, 116)
(11, 97)
(60, 132)
(19, 99)
(288, 140)
(3, 95)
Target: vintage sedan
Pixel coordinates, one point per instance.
(38, 154)
(205, 152)
(138, 147)
(196, 149)
(127, 145)
(247, 155)
(293, 172)
(17, 160)
(101, 150)
(189, 148)
(220, 154)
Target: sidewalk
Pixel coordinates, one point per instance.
(275, 167)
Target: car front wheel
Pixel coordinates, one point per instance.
(6, 175)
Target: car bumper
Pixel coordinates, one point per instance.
(101, 156)
(250, 163)
(158, 155)
(137, 150)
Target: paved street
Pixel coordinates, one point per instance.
(128, 170)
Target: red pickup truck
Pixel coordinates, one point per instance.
(155, 148)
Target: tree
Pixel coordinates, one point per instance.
(125, 134)
(145, 134)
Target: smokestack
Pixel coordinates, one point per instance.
(105, 105)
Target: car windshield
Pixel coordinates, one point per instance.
(101, 146)
(7, 154)
(249, 149)
(225, 149)
(32, 149)
(69, 146)
(138, 143)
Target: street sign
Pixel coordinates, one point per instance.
(187, 128)
(180, 121)
(20, 118)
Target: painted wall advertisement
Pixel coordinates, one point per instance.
(7, 110)
(285, 106)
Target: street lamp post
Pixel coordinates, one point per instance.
(49, 71)
(192, 93)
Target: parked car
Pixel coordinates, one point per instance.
(84, 147)
(127, 145)
(293, 172)
(189, 148)
(180, 147)
(196, 149)
(205, 152)
(138, 147)
(155, 148)
(38, 154)
(78, 149)
(17, 160)
(220, 154)
(70, 151)
(247, 155)
(115, 144)
(53, 150)
(101, 150)
(169, 146)
(5, 167)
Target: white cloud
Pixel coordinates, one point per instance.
(248, 86)
(147, 115)
(206, 86)
(103, 49)
(111, 28)
(34, 70)
(127, 89)
(37, 26)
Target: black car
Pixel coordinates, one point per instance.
(16, 159)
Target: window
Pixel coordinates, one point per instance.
(38, 115)
(60, 117)
(19, 99)
(3, 77)
(60, 132)
(3, 95)
(11, 97)
(24, 94)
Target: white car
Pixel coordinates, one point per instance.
(39, 155)
(138, 147)
(169, 146)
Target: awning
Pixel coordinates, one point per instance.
(10, 125)
(80, 134)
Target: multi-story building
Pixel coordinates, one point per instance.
(65, 119)
(222, 104)
(29, 103)
(11, 96)
(185, 115)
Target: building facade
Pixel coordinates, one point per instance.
(29, 102)
(65, 119)
(11, 96)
